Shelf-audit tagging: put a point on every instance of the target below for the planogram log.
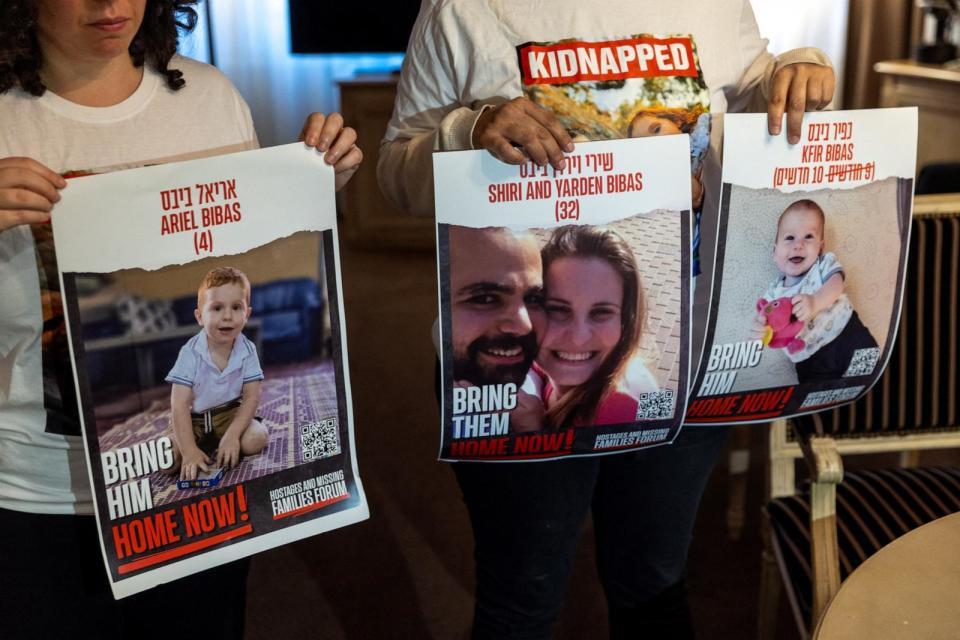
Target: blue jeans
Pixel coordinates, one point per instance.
(527, 518)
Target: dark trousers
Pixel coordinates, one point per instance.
(55, 586)
(527, 518)
(830, 361)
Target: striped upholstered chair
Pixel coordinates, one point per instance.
(821, 533)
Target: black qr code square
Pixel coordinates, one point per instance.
(656, 405)
(319, 439)
(863, 362)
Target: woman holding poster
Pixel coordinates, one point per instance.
(497, 72)
(89, 87)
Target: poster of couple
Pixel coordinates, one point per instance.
(563, 300)
(565, 315)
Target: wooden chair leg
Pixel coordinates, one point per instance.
(782, 478)
(826, 469)
(824, 553)
(739, 466)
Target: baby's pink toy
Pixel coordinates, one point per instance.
(781, 326)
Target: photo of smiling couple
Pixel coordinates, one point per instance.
(566, 327)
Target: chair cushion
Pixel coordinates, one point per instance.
(874, 507)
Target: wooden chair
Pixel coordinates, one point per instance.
(818, 535)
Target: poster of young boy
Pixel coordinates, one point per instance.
(811, 252)
(564, 300)
(203, 303)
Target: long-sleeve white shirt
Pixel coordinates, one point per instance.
(462, 54)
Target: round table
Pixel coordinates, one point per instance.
(909, 589)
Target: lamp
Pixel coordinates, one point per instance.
(934, 46)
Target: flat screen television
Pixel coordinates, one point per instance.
(360, 26)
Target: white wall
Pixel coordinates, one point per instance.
(196, 44)
(807, 23)
(251, 41)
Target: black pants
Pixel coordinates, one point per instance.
(527, 518)
(55, 586)
(830, 361)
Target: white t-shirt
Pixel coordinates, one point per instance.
(42, 468)
(463, 55)
(827, 324)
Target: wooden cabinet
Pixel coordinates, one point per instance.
(369, 220)
(935, 89)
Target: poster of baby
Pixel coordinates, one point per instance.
(811, 251)
(564, 300)
(203, 305)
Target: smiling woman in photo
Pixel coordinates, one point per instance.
(596, 311)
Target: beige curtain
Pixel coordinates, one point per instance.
(877, 30)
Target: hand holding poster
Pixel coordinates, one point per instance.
(216, 416)
(811, 253)
(564, 300)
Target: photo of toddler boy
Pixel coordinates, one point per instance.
(216, 381)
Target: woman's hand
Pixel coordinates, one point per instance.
(521, 129)
(797, 88)
(28, 191)
(338, 143)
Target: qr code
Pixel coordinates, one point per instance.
(320, 439)
(830, 396)
(655, 405)
(863, 362)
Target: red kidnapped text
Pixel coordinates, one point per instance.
(614, 60)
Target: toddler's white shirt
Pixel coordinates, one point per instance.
(211, 386)
(827, 324)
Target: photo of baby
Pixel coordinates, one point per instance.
(802, 298)
(828, 331)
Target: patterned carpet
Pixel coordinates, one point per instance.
(291, 396)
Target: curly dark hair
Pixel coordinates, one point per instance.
(155, 42)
